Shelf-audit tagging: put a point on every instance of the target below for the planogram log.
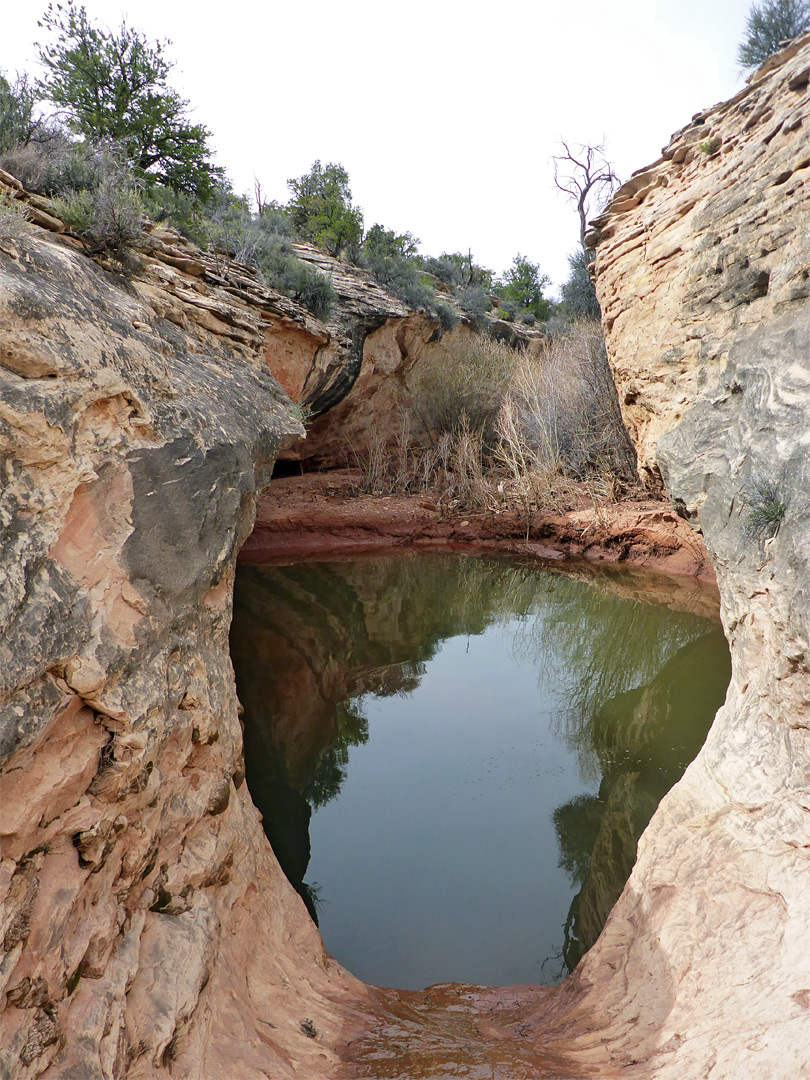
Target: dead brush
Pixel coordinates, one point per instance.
(468, 480)
(464, 381)
(545, 435)
(454, 470)
(397, 466)
(533, 479)
(15, 221)
(565, 407)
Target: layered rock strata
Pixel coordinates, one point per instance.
(146, 928)
(703, 273)
(138, 421)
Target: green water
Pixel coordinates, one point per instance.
(455, 756)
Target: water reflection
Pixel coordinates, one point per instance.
(628, 687)
(643, 738)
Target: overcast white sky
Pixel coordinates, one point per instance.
(446, 113)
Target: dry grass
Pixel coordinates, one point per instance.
(506, 431)
(15, 223)
(463, 384)
(564, 410)
(453, 470)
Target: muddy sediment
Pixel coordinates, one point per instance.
(324, 515)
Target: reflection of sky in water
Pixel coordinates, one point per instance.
(449, 806)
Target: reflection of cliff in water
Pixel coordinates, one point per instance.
(309, 641)
(644, 738)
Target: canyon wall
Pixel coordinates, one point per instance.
(361, 395)
(145, 925)
(703, 273)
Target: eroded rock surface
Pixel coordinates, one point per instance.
(703, 271)
(146, 927)
(138, 421)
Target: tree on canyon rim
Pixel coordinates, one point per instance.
(321, 208)
(112, 86)
(523, 284)
(19, 121)
(768, 25)
(584, 174)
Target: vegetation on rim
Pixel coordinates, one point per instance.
(489, 422)
(768, 26)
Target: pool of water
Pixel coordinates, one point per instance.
(455, 756)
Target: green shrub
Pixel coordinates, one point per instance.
(457, 269)
(764, 508)
(258, 241)
(387, 243)
(109, 217)
(768, 25)
(446, 316)
(308, 286)
(401, 277)
(392, 260)
(178, 210)
(444, 268)
(19, 123)
(522, 285)
(275, 220)
(578, 293)
(475, 302)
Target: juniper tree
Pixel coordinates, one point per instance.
(112, 86)
(321, 208)
(768, 25)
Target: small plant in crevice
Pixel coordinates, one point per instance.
(300, 411)
(764, 508)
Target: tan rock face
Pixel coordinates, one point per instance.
(137, 424)
(703, 272)
(382, 393)
(146, 928)
(703, 247)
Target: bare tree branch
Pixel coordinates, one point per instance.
(583, 173)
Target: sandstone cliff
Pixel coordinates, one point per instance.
(138, 422)
(703, 272)
(146, 928)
